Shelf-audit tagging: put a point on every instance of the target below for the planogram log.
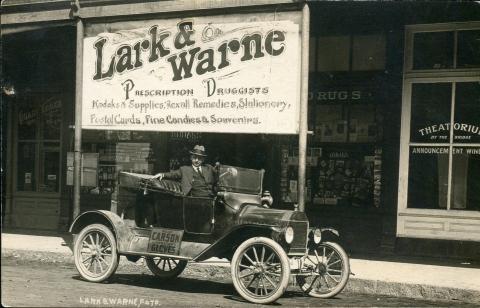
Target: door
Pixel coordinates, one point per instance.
(37, 163)
(198, 215)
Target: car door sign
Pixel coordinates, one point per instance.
(165, 241)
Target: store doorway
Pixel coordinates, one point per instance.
(37, 161)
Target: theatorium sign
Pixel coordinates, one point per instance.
(237, 74)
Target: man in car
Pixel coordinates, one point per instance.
(198, 179)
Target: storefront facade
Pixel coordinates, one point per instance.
(382, 163)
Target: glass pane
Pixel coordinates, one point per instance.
(238, 179)
(368, 52)
(467, 112)
(51, 118)
(26, 167)
(433, 50)
(468, 54)
(362, 124)
(329, 118)
(333, 53)
(428, 178)
(430, 112)
(27, 121)
(465, 179)
(50, 167)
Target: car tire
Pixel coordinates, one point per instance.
(330, 268)
(164, 267)
(260, 270)
(95, 253)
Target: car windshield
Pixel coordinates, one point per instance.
(242, 180)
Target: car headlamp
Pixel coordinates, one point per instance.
(289, 235)
(317, 235)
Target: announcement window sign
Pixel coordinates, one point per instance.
(237, 74)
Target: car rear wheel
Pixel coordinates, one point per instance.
(95, 253)
(260, 270)
(325, 271)
(164, 267)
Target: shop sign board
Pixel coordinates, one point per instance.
(231, 73)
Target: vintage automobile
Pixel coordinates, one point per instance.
(154, 220)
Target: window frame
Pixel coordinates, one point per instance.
(453, 224)
(406, 143)
(315, 52)
(411, 30)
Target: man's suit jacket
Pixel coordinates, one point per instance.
(185, 175)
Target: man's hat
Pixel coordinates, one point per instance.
(198, 150)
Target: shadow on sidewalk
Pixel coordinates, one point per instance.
(427, 260)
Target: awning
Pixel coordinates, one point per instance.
(34, 11)
(28, 11)
(15, 28)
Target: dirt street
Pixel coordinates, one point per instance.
(58, 284)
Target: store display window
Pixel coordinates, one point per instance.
(443, 174)
(335, 175)
(344, 177)
(344, 155)
(106, 153)
(440, 137)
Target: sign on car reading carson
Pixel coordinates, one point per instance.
(237, 74)
(165, 241)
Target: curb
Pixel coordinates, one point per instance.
(355, 285)
(411, 290)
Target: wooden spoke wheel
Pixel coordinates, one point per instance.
(260, 270)
(325, 271)
(95, 253)
(164, 267)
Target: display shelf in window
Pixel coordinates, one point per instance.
(289, 173)
(343, 178)
(107, 178)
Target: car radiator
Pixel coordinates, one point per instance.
(299, 243)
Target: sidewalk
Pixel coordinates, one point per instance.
(401, 279)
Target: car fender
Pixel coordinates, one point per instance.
(121, 231)
(328, 234)
(330, 230)
(223, 246)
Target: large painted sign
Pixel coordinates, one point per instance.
(234, 74)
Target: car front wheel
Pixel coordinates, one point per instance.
(95, 253)
(260, 270)
(325, 271)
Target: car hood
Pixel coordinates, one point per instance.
(266, 216)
